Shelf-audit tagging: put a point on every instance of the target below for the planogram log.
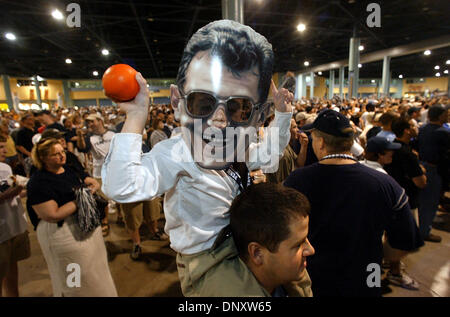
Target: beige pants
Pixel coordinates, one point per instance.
(221, 273)
(64, 245)
(136, 213)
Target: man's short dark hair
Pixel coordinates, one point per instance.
(370, 107)
(263, 214)
(26, 116)
(435, 112)
(399, 126)
(239, 47)
(387, 118)
(42, 112)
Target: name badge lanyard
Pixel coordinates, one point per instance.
(237, 178)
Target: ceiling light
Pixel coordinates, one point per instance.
(105, 52)
(306, 63)
(436, 67)
(359, 65)
(301, 27)
(372, 81)
(320, 73)
(400, 76)
(68, 61)
(56, 14)
(438, 75)
(446, 71)
(10, 36)
(361, 47)
(39, 78)
(447, 62)
(95, 73)
(427, 52)
(77, 84)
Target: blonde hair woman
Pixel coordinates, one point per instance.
(52, 209)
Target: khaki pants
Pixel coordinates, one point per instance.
(221, 273)
(135, 213)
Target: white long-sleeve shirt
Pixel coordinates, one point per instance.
(197, 200)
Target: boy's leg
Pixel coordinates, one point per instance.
(5, 260)
(19, 250)
(11, 281)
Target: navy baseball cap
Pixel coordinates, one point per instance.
(331, 122)
(378, 144)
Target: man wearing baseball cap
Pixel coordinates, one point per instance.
(434, 145)
(351, 206)
(97, 142)
(379, 152)
(47, 119)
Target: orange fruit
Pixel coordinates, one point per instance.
(119, 82)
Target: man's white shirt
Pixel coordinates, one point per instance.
(374, 165)
(99, 149)
(197, 200)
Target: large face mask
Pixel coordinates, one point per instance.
(219, 111)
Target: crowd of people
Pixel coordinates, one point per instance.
(78, 141)
(358, 182)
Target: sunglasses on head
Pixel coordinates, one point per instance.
(202, 104)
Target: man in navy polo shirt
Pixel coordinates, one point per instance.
(434, 145)
(351, 206)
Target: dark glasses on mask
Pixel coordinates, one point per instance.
(201, 104)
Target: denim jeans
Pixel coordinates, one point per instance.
(429, 199)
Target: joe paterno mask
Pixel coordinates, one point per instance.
(222, 87)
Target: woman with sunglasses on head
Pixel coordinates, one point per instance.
(52, 209)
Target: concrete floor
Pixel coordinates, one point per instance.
(156, 275)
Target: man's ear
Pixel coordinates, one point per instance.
(175, 97)
(322, 143)
(255, 253)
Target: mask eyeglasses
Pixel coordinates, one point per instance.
(202, 104)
